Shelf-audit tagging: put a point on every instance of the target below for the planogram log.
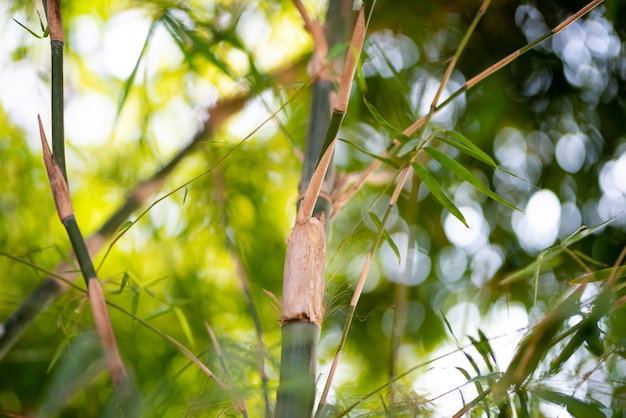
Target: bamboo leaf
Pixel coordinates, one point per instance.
(392, 130)
(383, 160)
(575, 406)
(184, 324)
(438, 192)
(57, 354)
(408, 147)
(584, 231)
(125, 225)
(386, 235)
(601, 275)
(466, 175)
(45, 32)
(463, 144)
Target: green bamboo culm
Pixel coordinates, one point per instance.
(296, 393)
(80, 249)
(57, 42)
(58, 128)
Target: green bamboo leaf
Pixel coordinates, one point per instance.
(463, 144)
(593, 340)
(392, 130)
(585, 231)
(464, 373)
(575, 406)
(466, 175)
(438, 192)
(134, 304)
(548, 258)
(57, 354)
(601, 275)
(408, 147)
(386, 235)
(383, 160)
(123, 284)
(45, 32)
(184, 324)
(125, 225)
(484, 349)
(128, 84)
(165, 309)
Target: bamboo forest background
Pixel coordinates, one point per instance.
(186, 126)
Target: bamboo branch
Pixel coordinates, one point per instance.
(338, 204)
(52, 287)
(96, 297)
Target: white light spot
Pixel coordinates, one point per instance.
(124, 37)
(89, 119)
(470, 239)
(570, 152)
(538, 227)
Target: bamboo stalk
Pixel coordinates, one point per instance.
(52, 287)
(303, 278)
(57, 41)
(96, 297)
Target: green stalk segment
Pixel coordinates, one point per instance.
(333, 128)
(80, 249)
(58, 130)
(296, 393)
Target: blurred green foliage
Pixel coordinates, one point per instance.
(553, 117)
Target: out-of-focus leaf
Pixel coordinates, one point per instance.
(584, 232)
(535, 346)
(392, 130)
(408, 147)
(601, 275)
(575, 406)
(595, 344)
(437, 191)
(383, 160)
(131, 78)
(44, 35)
(184, 324)
(550, 257)
(57, 354)
(466, 175)
(125, 225)
(484, 349)
(386, 235)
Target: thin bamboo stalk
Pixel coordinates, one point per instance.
(354, 188)
(57, 41)
(96, 297)
(421, 123)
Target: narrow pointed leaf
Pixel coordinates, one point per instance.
(463, 144)
(386, 235)
(601, 275)
(408, 147)
(29, 31)
(466, 175)
(383, 160)
(392, 130)
(575, 406)
(437, 191)
(184, 325)
(584, 231)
